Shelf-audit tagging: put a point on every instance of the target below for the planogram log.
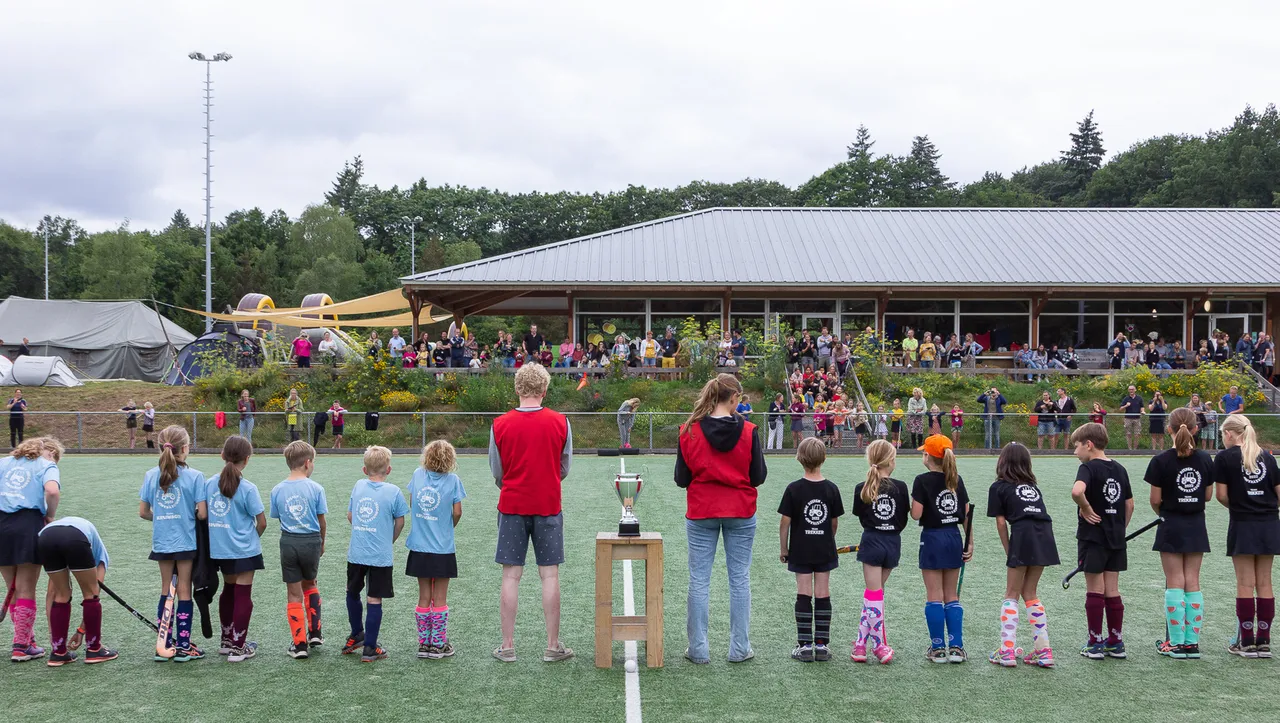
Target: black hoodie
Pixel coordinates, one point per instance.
(722, 434)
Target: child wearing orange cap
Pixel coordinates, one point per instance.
(941, 504)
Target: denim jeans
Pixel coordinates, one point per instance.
(246, 428)
(991, 432)
(739, 534)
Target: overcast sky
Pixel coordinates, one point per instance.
(101, 114)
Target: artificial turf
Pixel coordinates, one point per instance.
(473, 686)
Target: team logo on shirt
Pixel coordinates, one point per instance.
(1027, 493)
(1189, 480)
(884, 507)
(815, 512)
(428, 499)
(366, 509)
(16, 479)
(297, 507)
(1111, 491)
(1254, 478)
(946, 502)
(170, 499)
(219, 506)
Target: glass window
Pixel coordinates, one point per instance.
(1075, 306)
(685, 306)
(1256, 326)
(1147, 327)
(996, 331)
(896, 325)
(859, 306)
(746, 306)
(1236, 306)
(597, 328)
(1160, 306)
(855, 324)
(792, 324)
(920, 306)
(611, 306)
(803, 306)
(994, 306)
(1199, 331)
(1083, 331)
(678, 323)
(752, 327)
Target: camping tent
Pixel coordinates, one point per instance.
(190, 364)
(38, 371)
(100, 339)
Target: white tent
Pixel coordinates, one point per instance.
(38, 371)
(5, 366)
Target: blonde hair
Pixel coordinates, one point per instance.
(633, 402)
(879, 454)
(297, 453)
(718, 390)
(1250, 452)
(811, 454)
(377, 460)
(532, 380)
(173, 439)
(36, 446)
(1183, 423)
(439, 456)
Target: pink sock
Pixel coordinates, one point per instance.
(24, 622)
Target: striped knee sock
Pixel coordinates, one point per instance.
(1193, 619)
(804, 619)
(1009, 625)
(822, 620)
(1175, 612)
(1039, 624)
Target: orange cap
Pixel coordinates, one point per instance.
(936, 445)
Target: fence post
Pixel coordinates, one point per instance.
(79, 430)
(424, 429)
(195, 433)
(650, 431)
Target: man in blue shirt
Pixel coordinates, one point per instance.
(738, 348)
(376, 513)
(1232, 402)
(992, 402)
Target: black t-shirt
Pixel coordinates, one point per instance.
(942, 507)
(806, 347)
(1250, 496)
(669, 347)
(793, 352)
(813, 508)
(1016, 502)
(24, 350)
(131, 416)
(1046, 411)
(955, 354)
(1185, 482)
(888, 512)
(1134, 409)
(1221, 352)
(1106, 487)
(532, 343)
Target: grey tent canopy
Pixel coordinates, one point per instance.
(99, 339)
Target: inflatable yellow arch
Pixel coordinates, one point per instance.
(318, 301)
(259, 303)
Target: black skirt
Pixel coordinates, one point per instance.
(178, 556)
(235, 566)
(431, 565)
(1181, 534)
(1253, 537)
(19, 536)
(1031, 543)
(880, 549)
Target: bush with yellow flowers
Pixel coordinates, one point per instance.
(398, 401)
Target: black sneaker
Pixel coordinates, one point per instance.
(353, 644)
(298, 651)
(57, 659)
(315, 639)
(1191, 651)
(101, 655)
(372, 653)
(1264, 649)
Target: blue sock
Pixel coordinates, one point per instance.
(934, 618)
(373, 625)
(355, 612)
(184, 612)
(955, 624)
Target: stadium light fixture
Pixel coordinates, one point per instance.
(413, 253)
(208, 181)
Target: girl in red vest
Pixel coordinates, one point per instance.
(720, 462)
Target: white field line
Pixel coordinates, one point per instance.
(632, 679)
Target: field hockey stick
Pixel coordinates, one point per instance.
(126, 606)
(968, 537)
(1066, 581)
(846, 549)
(166, 622)
(8, 598)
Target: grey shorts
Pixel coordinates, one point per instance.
(1132, 425)
(299, 556)
(514, 532)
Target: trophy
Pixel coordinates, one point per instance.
(628, 488)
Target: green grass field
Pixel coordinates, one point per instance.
(772, 687)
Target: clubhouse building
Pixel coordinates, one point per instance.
(1071, 277)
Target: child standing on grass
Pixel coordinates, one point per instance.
(300, 505)
(1102, 493)
(30, 488)
(1026, 533)
(941, 504)
(436, 496)
(1248, 484)
(957, 423)
(1181, 480)
(810, 509)
(172, 498)
(237, 520)
(376, 513)
(881, 505)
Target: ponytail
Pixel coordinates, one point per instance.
(949, 470)
(1184, 424)
(718, 390)
(879, 454)
(235, 452)
(1250, 452)
(173, 440)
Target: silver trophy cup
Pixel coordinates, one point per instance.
(628, 488)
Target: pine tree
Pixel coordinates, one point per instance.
(917, 179)
(347, 185)
(860, 149)
(1084, 157)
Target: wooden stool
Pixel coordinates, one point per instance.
(648, 627)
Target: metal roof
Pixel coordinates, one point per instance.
(878, 246)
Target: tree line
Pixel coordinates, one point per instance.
(357, 240)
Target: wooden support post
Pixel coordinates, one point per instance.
(573, 332)
(415, 307)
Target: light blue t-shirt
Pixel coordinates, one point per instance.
(22, 483)
(100, 556)
(433, 496)
(296, 503)
(233, 532)
(374, 508)
(173, 513)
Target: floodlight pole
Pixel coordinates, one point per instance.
(413, 253)
(208, 182)
(46, 261)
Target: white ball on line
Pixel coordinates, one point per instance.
(631, 666)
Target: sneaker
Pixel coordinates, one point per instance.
(444, 651)
(315, 639)
(243, 653)
(1116, 650)
(1169, 650)
(1264, 650)
(556, 654)
(1005, 658)
(750, 654)
(957, 655)
(425, 651)
(101, 655)
(191, 652)
(1094, 651)
(23, 653)
(508, 655)
(298, 651)
(803, 652)
(1191, 651)
(1245, 651)
(372, 653)
(57, 659)
(225, 646)
(1042, 658)
(821, 653)
(935, 655)
(687, 657)
(883, 654)
(353, 644)
(859, 654)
